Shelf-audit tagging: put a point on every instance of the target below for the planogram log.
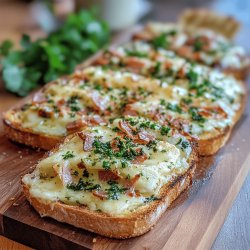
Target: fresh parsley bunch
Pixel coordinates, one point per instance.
(46, 59)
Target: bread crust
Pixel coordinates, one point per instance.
(193, 19)
(137, 223)
(210, 146)
(16, 133)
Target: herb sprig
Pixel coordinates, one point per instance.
(48, 58)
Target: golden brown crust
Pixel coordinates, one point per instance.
(210, 146)
(135, 224)
(240, 74)
(207, 146)
(193, 19)
(16, 133)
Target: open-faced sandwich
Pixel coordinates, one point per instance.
(201, 46)
(115, 180)
(131, 127)
(201, 102)
(204, 106)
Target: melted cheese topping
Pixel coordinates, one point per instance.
(204, 89)
(56, 177)
(211, 47)
(114, 89)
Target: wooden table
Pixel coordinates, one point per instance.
(235, 232)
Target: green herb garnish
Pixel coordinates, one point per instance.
(150, 199)
(114, 191)
(81, 185)
(68, 155)
(43, 60)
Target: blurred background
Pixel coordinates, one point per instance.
(37, 17)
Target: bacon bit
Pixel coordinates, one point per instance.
(81, 165)
(79, 75)
(39, 98)
(114, 145)
(213, 112)
(185, 51)
(130, 111)
(121, 134)
(181, 73)
(197, 56)
(126, 128)
(130, 185)
(61, 102)
(179, 123)
(63, 172)
(45, 112)
(101, 61)
(82, 112)
(114, 52)
(134, 62)
(76, 125)
(100, 194)
(143, 35)
(98, 101)
(62, 109)
(88, 140)
(140, 159)
(168, 65)
(144, 138)
(182, 125)
(156, 116)
(96, 120)
(108, 175)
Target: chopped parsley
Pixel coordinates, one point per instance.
(194, 112)
(68, 155)
(150, 199)
(173, 107)
(127, 150)
(136, 53)
(98, 86)
(81, 185)
(187, 100)
(192, 77)
(156, 70)
(160, 41)
(198, 45)
(114, 191)
(73, 103)
(165, 130)
(183, 144)
(106, 165)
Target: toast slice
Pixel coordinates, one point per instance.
(202, 46)
(88, 97)
(205, 109)
(115, 180)
(195, 19)
(201, 102)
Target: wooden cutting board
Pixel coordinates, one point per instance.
(192, 221)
